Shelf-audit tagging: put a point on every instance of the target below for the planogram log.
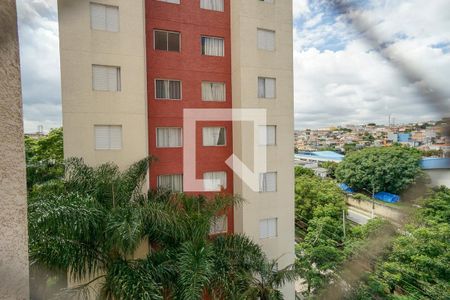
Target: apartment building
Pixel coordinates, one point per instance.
(130, 68)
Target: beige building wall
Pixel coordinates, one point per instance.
(80, 48)
(14, 279)
(248, 63)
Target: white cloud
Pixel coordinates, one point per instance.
(300, 7)
(39, 55)
(339, 79)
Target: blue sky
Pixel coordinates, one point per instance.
(338, 77)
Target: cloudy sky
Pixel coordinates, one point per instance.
(339, 77)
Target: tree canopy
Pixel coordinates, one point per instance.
(92, 223)
(387, 169)
(44, 157)
(418, 264)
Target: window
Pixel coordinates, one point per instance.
(104, 17)
(171, 182)
(268, 182)
(167, 41)
(169, 137)
(214, 181)
(268, 135)
(105, 78)
(213, 91)
(168, 89)
(216, 5)
(268, 228)
(108, 137)
(214, 136)
(266, 39)
(171, 1)
(212, 46)
(266, 87)
(219, 224)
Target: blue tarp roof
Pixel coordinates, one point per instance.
(321, 154)
(431, 163)
(346, 188)
(387, 197)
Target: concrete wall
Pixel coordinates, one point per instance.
(384, 211)
(13, 202)
(248, 62)
(80, 48)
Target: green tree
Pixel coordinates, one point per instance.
(331, 167)
(417, 266)
(44, 157)
(92, 222)
(300, 171)
(312, 193)
(389, 169)
(350, 147)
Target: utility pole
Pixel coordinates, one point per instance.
(343, 221)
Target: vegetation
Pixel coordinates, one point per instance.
(44, 157)
(331, 167)
(417, 264)
(95, 223)
(323, 247)
(300, 171)
(388, 169)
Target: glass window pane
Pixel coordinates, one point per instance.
(174, 41)
(161, 40)
(175, 90)
(160, 89)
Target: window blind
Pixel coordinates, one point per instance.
(214, 136)
(108, 137)
(214, 181)
(104, 17)
(212, 46)
(268, 182)
(217, 5)
(168, 137)
(171, 182)
(213, 91)
(105, 78)
(266, 39)
(268, 228)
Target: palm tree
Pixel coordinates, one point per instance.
(91, 223)
(267, 280)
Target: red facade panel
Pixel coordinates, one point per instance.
(191, 68)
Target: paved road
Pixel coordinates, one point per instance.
(357, 216)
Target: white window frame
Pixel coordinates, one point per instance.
(170, 1)
(168, 80)
(213, 83)
(265, 87)
(267, 1)
(261, 181)
(109, 148)
(218, 188)
(264, 135)
(118, 78)
(274, 46)
(265, 232)
(106, 6)
(212, 9)
(167, 31)
(159, 177)
(214, 145)
(212, 37)
(167, 127)
(214, 229)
